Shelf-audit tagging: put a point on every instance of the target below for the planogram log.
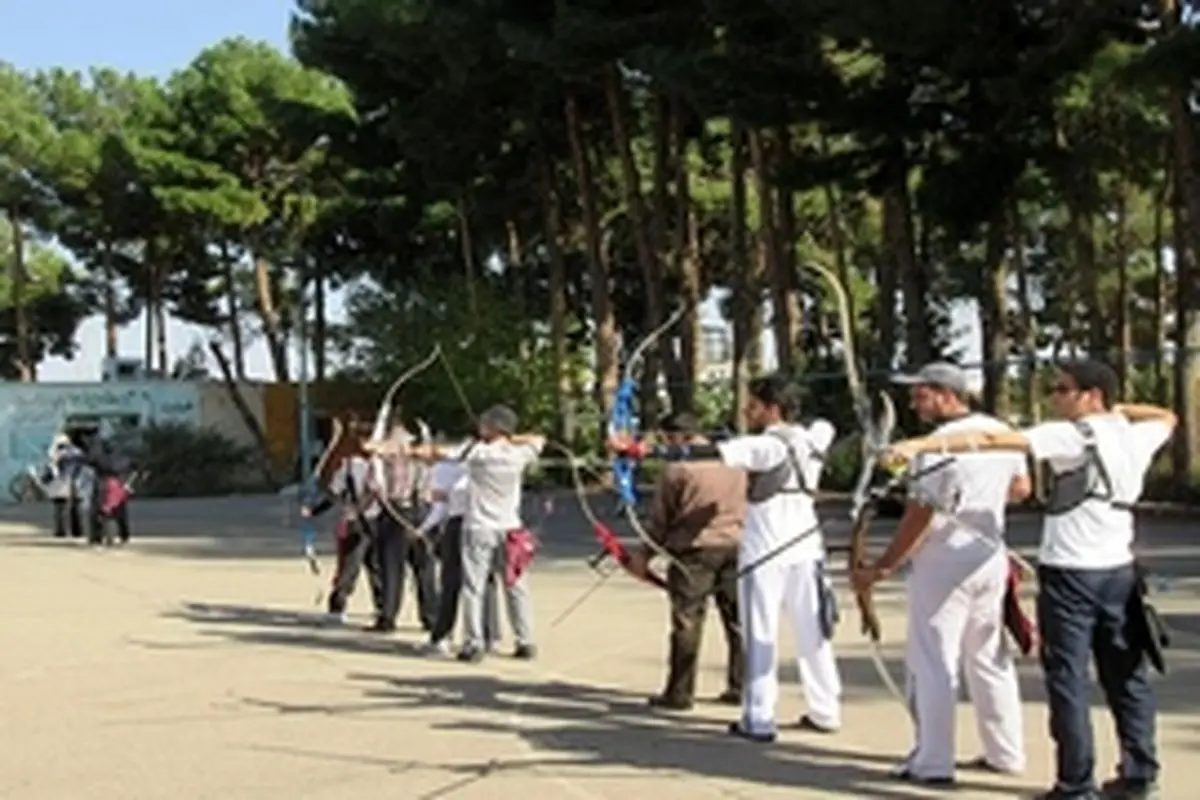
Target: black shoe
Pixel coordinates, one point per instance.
(381, 626)
(471, 655)
(729, 697)
(736, 729)
(1056, 794)
(981, 764)
(525, 652)
(807, 723)
(668, 703)
(60, 534)
(1126, 789)
(906, 775)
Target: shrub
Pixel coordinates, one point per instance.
(179, 460)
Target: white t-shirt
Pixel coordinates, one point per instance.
(494, 472)
(788, 514)
(450, 477)
(974, 488)
(1095, 535)
(358, 470)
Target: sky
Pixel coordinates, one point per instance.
(149, 37)
(157, 37)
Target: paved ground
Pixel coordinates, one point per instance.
(192, 665)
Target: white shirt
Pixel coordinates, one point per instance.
(789, 513)
(1095, 535)
(452, 479)
(358, 470)
(494, 472)
(974, 488)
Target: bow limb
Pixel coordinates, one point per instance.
(623, 421)
(379, 433)
(876, 433)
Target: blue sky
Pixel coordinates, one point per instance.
(156, 37)
(150, 37)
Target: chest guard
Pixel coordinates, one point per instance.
(762, 486)
(1089, 481)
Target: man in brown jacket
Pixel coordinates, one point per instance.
(696, 515)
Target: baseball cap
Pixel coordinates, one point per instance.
(942, 374)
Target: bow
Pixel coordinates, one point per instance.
(308, 526)
(623, 421)
(876, 433)
(379, 433)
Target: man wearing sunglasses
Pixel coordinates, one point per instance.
(1098, 454)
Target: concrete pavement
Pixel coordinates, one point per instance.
(194, 664)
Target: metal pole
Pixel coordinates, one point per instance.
(306, 446)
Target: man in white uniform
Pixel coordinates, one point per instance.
(1099, 454)
(956, 588)
(783, 462)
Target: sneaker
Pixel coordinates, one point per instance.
(335, 618)
(525, 652)
(381, 626)
(981, 764)
(471, 655)
(439, 648)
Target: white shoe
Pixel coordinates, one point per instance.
(335, 619)
(440, 648)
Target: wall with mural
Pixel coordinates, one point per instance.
(30, 414)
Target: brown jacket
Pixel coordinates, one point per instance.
(698, 505)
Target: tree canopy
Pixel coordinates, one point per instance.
(537, 185)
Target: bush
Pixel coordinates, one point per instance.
(179, 460)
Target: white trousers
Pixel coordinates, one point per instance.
(955, 620)
(762, 596)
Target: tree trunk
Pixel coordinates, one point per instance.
(742, 305)
(248, 418)
(1187, 325)
(552, 234)
(639, 222)
(1124, 319)
(1081, 201)
(1031, 405)
(467, 243)
(768, 261)
(110, 301)
(150, 318)
(607, 368)
(687, 259)
(1160, 288)
(993, 301)
(272, 322)
(234, 320)
(899, 245)
(19, 277)
(785, 245)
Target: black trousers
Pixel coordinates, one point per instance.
(100, 523)
(395, 550)
(354, 552)
(67, 518)
(713, 572)
(450, 555)
(1084, 615)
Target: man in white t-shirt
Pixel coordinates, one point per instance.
(496, 465)
(957, 585)
(448, 487)
(1098, 454)
(783, 541)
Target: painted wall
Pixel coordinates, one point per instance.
(30, 414)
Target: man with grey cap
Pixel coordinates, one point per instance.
(495, 465)
(957, 585)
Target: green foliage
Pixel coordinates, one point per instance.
(183, 461)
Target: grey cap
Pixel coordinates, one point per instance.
(500, 417)
(942, 374)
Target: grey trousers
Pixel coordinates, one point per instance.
(483, 555)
